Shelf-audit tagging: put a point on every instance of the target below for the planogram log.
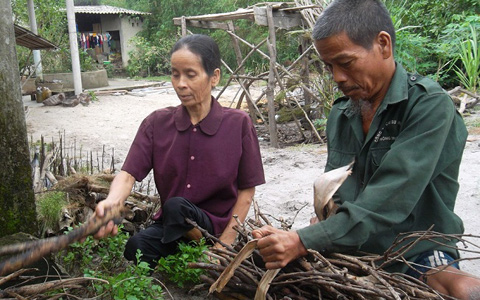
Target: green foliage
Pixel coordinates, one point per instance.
(103, 259)
(328, 92)
(51, 25)
(86, 2)
(150, 57)
(132, 284)
(470, 58)
(87, 63)
(110, 70)
(320, 124)
(176, 266)
(161, 32)
(432, 16)
(92, 95)
(412, 51)
(103, 255)
(49, 208)
(429, 32)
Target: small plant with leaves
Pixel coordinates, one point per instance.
(92, 95)
(176, 266)
(134, 283)
(469, 74)
(320, 124)
(95, 255)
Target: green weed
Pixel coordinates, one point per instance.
(134, 283)
(92, 95)
(96, 255)
(176, 266)
(103, 259)
(470, 58)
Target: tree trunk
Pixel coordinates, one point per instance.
(17, 202)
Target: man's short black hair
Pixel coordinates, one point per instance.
(361, 20)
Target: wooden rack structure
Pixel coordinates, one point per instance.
(274, 15)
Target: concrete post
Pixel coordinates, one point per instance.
(37, 59)
(72, 34)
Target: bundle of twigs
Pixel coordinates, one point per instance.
(239, 272)
(463, 98)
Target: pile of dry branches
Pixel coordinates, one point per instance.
(239, 272)
(463, 98)
(64, 167)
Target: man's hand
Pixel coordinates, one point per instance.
(278, 247)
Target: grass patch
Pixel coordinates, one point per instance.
(154, 78)
(49, 208)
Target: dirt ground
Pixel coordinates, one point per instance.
(112, 121)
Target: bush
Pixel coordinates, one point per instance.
(87, 63)
(150, 57)
(429, 33)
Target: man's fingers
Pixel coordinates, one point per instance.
(262, 232)
(275, 265)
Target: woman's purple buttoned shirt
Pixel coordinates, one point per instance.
(207, 163)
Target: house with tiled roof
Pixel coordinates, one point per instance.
(105, 30)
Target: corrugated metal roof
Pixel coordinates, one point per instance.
(26, 38)
(107, 9)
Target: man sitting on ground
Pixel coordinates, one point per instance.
(407, 140)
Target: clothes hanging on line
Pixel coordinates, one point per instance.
(90, 40)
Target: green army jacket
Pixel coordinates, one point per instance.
(405, 173)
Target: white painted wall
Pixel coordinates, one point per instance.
(129, 28)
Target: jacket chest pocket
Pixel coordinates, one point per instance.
(374, 160)
(337, 159)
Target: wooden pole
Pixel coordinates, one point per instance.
(184, 26)
(238, 54)
(271, 79)
(305, 70)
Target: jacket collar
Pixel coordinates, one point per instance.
(209, 125)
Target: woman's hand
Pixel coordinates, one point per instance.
(119, 191)
(239, 213)
(111, 229)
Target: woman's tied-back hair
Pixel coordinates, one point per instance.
(203, 46)
(361, 20)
